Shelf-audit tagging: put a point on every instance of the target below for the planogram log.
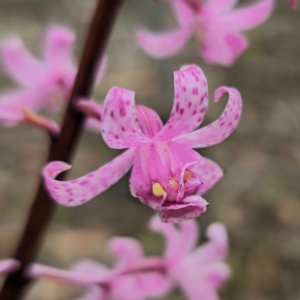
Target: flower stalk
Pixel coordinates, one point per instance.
(62, 147)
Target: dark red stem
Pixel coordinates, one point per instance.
(62, 147)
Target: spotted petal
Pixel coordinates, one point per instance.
(19, 63)
(79, 191)
(220, 129)
(190, 104)
(163, 45)
(119, 125)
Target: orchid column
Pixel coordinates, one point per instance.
(62, 146)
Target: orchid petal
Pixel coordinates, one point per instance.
(19, 63)
(95, 271)
(149, 121)
(216, 249)
(12, 104)
(184, 13)
(222, 47)
(189, 236)
(220, 129)
(193, 290)
(8, 265)
(94, 125)
(58, 46)
(140, 286)
(79, 191)
(90, 108)
(220, 6)
(193, 208)
(41, 271)
(163, 45)
(170, 233)
(216, 274)
(119, 125)
(190, 104)
(127, 250)
(247, 17)
(210, 173)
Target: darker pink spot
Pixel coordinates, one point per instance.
(189, 104)
(84, 182)
(203, 110)
(222, 124)
(112, 114)
(122, 111)
(177, 107)
(181, 111)
(123, 129)
(195, 91)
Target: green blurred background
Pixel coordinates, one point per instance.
(259, 197)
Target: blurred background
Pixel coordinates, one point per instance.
(259, 197)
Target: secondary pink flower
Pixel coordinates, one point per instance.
(216, 24)
(167, 174)
(132, 278)
(44, 83)
(293, 3)
(8, 265)
(200, 271)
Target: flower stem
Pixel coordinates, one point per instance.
(62, 147)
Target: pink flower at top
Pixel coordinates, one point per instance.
(216, 24)
(132, 278)
(167, 174)
(8, 265)
(200, 271)
(45, 82)
(293, 3)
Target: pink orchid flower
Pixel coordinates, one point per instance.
(293, 3)
(8, 265)
(133, 276)
(43, 83)
(167, 174)
(199, 272)
(217, 26)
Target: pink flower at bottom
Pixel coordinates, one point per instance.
(200, 271)
(167, 174)
(44, 83)
(216, 25)
(123, 282)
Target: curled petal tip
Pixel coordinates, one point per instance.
(55, 168)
